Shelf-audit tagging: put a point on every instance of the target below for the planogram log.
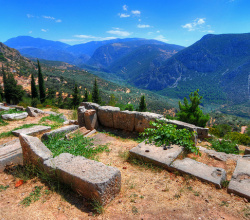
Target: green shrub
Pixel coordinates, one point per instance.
(165, 134)
(226, 146)
(220, 130)
(243, 139)
(78, 145)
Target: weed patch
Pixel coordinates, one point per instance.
(33, 196)
(3, 188)
(78, 145)
(224, 146)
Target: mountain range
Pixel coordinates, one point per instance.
(218, 65)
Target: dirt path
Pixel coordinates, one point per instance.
(146, 193)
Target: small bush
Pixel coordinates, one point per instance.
(243, 139)
(220, 130)
(226, 146)
(166, 134)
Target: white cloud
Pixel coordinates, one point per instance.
(136, 13)
(122, 15)
(143, 26)
(58, 20)
(48, 17)
(30, 16)
(161, 38)
(158, 32)
(30, 32)
(119, 33)
(210, 31)
(84, 36)
(44, 30)
(195, 25)
(125, 7)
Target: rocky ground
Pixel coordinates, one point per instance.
(147, 192)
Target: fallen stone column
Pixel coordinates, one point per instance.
(15, 116)
(92, 179)
(65, 130)
(240, 182)
(202, 171)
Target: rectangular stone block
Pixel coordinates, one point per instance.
(156, 155)
(91, 179)
(142, 120)
(34, 151)
(202, 171)
(10, 153)
(65, 130)
(35, 130)
(124, 120)
(105, 115)
(240, 182)
(80, 116)
(90, 118)
(90, 105)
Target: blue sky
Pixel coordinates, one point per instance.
(180, 22)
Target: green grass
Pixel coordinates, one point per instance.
(58, 121)
(3, 188)
(78, 145)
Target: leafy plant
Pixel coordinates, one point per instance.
(33, 196)
(165, 134)
(243, 139)
(226, 146)
(97, 207)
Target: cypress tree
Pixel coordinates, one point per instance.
(59, 100)
(41, 83)
(34, 92)
(86, 96)
(76, 97)
(112, 100)
(142, 105)
(5, 86)
(95, 94)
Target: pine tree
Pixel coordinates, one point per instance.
(86, 96)
(34, 92)
(76, 97)
(142, 105)
(191, 112)
(41, 83)
(95, 93)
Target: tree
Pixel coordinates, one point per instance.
(59, 100)
(14, 92)
(76, 97)
(112, 100)
(191, 112)
(86, 96)
(95, 93)
(41, 83)
(5, 86)
(142, 105)
(34, 92)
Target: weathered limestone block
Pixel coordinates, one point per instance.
(142, 120)
(90, 105)
(80, 116)
(35, 130)
(219, 155)
(156, 155)
(90, 178)
(34, 112)
(105, 115)
(202, 171)
(3, 108)
(15, 116)
(90, 118)
(240, 182)
(10, 153)
(65, 130)
(20, 108)
(202, 132)
(34, 151)
(124, 120)
(247, 151)
(83, 131)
